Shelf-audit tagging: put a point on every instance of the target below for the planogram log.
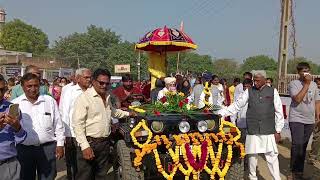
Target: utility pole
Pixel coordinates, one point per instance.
(286, 16)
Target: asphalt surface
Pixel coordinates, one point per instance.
(311, 171)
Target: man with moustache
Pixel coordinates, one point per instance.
(41, 120)
(91, 122)
(123, 92)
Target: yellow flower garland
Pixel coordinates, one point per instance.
(160, 168)
(142, 124)
(136, 109)
(181, 139)
(207, 93)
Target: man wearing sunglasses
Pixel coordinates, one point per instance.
(91, 122)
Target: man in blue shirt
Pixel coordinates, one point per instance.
(11, 134)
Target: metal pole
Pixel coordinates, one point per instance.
(178, 62)
(139, 73)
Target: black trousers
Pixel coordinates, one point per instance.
(71, 157)
(95, 169)
(40, 160)
(300, 135)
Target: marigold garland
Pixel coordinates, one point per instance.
(202, 147)
(207, 93)
(142, 124)
(136, 109)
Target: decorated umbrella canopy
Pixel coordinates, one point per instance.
(165, 40)
(160, 41)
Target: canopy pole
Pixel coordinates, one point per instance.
(178, 62)
(139, 73)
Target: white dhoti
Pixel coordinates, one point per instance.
(258, 144)
(266, 144)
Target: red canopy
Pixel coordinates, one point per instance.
(165, 39)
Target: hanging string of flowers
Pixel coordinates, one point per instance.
(207, 92)
(142, 124)
(193, 146)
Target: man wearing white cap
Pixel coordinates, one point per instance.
(170, 85)
(264, 120)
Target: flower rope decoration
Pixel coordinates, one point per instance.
(207, 95)
(142, 124)
(136, 109)
(197, 151)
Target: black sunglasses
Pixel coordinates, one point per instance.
(101, 83)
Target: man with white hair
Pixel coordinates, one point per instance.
(83, 82)
(170, 85)
(264, 120)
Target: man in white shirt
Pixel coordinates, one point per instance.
(66, 87)
(198, 90)
(239, 90)
(83, 82)
(265, 121)
(241, 116)
(41, 120)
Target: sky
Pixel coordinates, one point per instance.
(221, 28)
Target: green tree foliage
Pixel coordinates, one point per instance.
(260, 62)
(19, 36)
(99, 47)
(226, 68)
(91, 47)
(292, 64)
(189, 61)
(123, 53)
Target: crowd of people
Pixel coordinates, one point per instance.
(74, 117)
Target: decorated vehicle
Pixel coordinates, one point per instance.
(172, 138)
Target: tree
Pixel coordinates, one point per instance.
(226, 68)
(189, 61)
(123, 53)
(292, 65)
(19, 36)
(91, 47)
(260, 62)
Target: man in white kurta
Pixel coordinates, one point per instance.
(261, 138)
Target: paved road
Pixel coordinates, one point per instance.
(284, 159)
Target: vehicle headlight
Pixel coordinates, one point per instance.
(157, 126)
(211, 124)
(184, 126)
(132, 122)
(202, 126)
